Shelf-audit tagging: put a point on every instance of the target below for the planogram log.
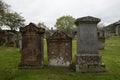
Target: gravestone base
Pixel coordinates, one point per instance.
(89, 63)
(101, 43)
(30, 66)
(59, 62)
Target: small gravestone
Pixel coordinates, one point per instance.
(87, 57)
(59, 49)
(107, 34)
(2, 37)
(10, 39)
(117, 30)
(32, 46)
(18, 40)
(101, 39)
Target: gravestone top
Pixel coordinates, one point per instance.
(32, 28)
(88, 19)
(59, 35)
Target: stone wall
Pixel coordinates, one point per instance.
(8, 38)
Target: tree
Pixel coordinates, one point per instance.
(65, 23)
(100, 26)
(3, 10)
(42, 25)
(11, 19)
(14, 20)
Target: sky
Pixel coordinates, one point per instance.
(48, 11)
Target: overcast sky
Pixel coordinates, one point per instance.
(48, 11)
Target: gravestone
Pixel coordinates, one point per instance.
(59, 49)
(32, 46)
(117, 30)
(101, 39)
(108, 34)
(87, 57)
(10, 39)
(18, 40)
(2, 37)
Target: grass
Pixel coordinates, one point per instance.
(10, 58)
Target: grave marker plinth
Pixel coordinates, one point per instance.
(87, 57)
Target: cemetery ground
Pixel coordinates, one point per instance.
(10, 58)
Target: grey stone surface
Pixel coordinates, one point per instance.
(87, 57)
(101, 39)
(19, 40)
(32, 47)
(59, 49)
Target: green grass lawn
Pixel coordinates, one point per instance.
(10, 58)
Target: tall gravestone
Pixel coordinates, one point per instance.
(87, 57)
(59, 49)
(32, 46)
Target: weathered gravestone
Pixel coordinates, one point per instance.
(10, 39)
(18, 40)
(101, 39)
(32, 46)
(59, 49)
(117, 30)
(87, 57)
(2, 37)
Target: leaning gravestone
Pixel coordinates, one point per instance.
(87, 57)
(32, 46)
(59, 49)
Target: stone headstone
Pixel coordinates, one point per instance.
(10, 39)
(107, 34)
(101, 39)
(18, 40)
(2, 37)
(117, 30)
(32, 46)
(87, 57)
(59, 49)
